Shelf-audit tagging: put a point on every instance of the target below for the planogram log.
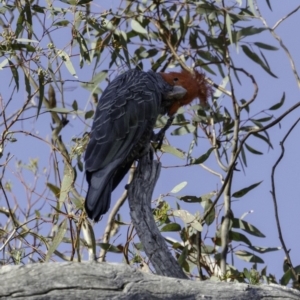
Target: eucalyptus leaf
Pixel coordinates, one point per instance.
(66, 59)
(171, 227)
(244, 191)
(247, 227)
(178, 187)
(202, 158)
(57, 239)
(248, 257)
(136, 26)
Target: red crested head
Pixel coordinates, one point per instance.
(195, 85)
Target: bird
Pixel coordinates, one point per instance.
(123, 126)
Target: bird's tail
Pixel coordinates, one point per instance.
(97, 201)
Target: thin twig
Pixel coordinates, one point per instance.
(18, 226)
(112, 215)
(232, 165)
(247, 103)
(285, 17)
(213, 172)
(273, 193)
(278, 38)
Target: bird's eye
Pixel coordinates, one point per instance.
(175, 79)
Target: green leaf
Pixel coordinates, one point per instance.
(208, 249)
(247, 108)
(208, 196)
(205, 67)
(202, 158)
(67, 183)
(27, 85)
(278, 105)
(267, 119)
(59, 212)
(265, 46)
(57, 239)
(268, 2)
(178, 120)
(211, 216)
(194, 199)
(248, 257)
(218, 93)
(22, 40)
(20, 21)
(253, 56)
(264, 250)
(123, 39)
(137, 27)
(82, 2)
(190, 199)
(4, 63)
(265, 139)
(158, 63)
(251, 6)
(39, 9)
(244, 191)
(206, 8)
(66, 59)
(75, 105)
(89, 238)
(188, 218)
(257, 123)
(241, 224)
(246, 31)
(152, 52)
(62, 110)
(99, 77)
(228, 27)
(79, 204)
(243, 156)
(171, 227)
(110, 248)
(18, 46)
(41, 91)
(62, 23)
(252, 150)
(183, 256)
(247, 274)
(84, 51)
(14, 73)
(178, 187)
(239, 237)
(184, 130)
(28, 19)
(139, 246)
(172, 150)
(54, 189)
(285, 279)
(89, 114)
(71, 2)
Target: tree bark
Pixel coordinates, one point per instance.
(90, 280)
(139, 197)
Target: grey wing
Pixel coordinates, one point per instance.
(125, 110)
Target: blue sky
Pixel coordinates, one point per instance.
(200, 182)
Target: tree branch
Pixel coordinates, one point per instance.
(139, 197)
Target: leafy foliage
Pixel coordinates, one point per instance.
(137, 34)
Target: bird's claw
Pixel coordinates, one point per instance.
(159, 137)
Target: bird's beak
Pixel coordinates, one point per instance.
(177, 93)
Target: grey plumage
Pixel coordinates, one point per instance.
(122, 128)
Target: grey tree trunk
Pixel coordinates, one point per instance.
(139, 197)
(90, 280)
